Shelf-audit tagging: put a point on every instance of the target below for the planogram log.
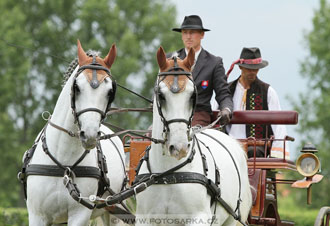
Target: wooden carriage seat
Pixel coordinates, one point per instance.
(259, 166)
(260, 117)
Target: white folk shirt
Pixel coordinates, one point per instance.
(238, 130)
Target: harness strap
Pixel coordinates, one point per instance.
(70, 133)
(102, 113)
(56, 171)
(142, 185)
(46, 150)
(94, 67)
(217, 171)
(75, 192)
(28, 156)
(178, 120)
(181, 177)
(238, 174)
(144, 158)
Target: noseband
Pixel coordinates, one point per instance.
(174, 71)
(94, 66)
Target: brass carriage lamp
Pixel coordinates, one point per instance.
(308, 165)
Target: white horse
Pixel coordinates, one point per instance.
(79, 110)
(172, 202)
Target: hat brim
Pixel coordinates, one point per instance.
(190, 27)
(263, 64)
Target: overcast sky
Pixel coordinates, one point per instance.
(276, 27)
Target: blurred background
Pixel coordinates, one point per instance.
(38, 41)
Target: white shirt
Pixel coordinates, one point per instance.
(238, 130)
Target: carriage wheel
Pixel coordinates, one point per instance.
(323, 217)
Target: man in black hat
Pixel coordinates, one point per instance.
(250, 93)
(208, 73)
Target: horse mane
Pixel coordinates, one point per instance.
(72, 66)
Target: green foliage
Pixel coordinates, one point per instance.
(13, 217)
(298, 212)
(314, 104)
(44, 34)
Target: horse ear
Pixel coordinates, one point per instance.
(82, 57)
(190, 59)
(161, 59)
(110, 58)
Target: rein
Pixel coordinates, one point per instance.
(70, 133)
(133, 132)
(131, 91)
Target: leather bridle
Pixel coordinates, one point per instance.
(174, 71)
(94, 66)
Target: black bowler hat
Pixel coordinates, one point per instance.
(192, 22)
(251, 58)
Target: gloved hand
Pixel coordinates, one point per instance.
(225, 115)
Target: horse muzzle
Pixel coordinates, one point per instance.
(178, 151)
(89, 141)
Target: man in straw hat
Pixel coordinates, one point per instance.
(208, 73)
(250, 93)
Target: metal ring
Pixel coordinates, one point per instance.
(44, 117)
(107, 199)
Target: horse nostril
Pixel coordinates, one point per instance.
(82, 135)
(98, 134)
(172, 148)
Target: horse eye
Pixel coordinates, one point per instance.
(161, 97)
(76, 88)
(110, 92)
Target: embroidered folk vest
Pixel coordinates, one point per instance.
(256, 99)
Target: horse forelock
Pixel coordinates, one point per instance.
(170, 64)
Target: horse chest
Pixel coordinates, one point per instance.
(173, 199)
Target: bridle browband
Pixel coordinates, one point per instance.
(94, 66)
(174, 71)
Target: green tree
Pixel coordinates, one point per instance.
(38, 41)
(314, 106)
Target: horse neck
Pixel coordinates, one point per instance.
(57, 140)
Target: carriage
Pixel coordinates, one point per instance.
(188, 160)
(262, 171)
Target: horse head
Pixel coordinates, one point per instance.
(175, 96)
(93, 91)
